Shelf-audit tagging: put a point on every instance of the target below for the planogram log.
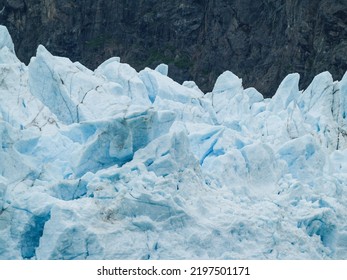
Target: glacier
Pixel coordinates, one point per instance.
(119, 164)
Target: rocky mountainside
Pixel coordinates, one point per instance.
(261, 41)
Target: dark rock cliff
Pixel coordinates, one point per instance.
(260, 41)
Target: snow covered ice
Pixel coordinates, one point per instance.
(116, 164)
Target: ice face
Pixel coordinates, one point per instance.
(5, 39)
(126, 77)
(286, 93)
(116, 164)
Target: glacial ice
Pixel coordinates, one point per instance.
(116, 164)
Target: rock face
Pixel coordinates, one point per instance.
(261, 41)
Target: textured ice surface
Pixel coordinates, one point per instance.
(116, 164)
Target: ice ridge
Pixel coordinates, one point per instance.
(119, 164)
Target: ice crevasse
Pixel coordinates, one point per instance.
(119, 164)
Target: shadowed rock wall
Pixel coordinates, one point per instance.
(260, 41)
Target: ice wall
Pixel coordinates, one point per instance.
(116, 164)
